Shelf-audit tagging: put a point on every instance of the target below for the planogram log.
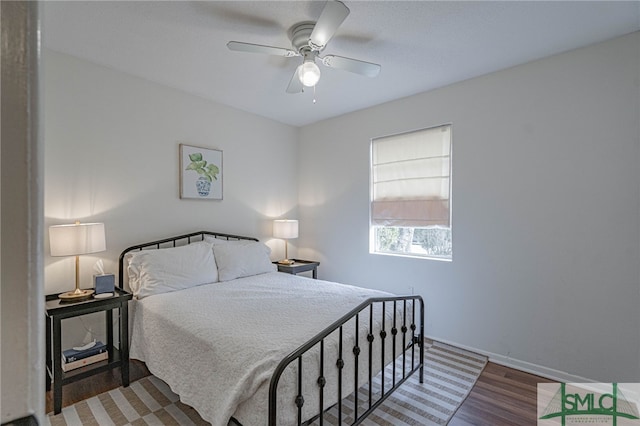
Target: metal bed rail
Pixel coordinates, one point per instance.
(399, 326)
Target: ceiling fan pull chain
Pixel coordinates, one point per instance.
(314, 95)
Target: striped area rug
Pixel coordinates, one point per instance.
(450, 373)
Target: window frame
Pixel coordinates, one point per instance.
(372, 227)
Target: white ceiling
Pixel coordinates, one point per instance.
(421, 45)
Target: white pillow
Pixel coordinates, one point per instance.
(242, 260)
(160, 271)
(134, 280)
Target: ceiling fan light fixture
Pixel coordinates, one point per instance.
(308, 39)
(309, 74)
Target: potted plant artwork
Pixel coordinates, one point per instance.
(200, 173)
(208, 173)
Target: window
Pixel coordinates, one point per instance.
(411, 194)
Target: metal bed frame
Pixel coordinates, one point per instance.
(403, 326)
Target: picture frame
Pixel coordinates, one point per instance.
(200, 173)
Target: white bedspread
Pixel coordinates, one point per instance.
(217, 345)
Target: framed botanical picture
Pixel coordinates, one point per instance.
(200, 173)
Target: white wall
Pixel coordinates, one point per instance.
(546, 211)
(111, 155)
(22, 321)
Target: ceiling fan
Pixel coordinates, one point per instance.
(308, 39)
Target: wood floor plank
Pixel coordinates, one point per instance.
(502, 396)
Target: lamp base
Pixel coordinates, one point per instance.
(286, 262)
(75, 295)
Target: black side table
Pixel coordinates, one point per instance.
(56, 310)
(298, 266)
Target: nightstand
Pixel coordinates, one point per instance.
(56, 310)
(298, 266)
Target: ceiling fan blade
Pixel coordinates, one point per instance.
(239, 46)
(295, 85)
(368, 69)
(332, 16)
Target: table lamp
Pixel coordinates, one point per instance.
(74, 240)
(285, 229)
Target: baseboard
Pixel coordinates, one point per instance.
(527, 367)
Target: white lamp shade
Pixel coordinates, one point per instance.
(76, 239)
(285, 228)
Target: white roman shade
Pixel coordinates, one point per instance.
(411, 178)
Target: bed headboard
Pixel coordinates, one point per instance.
(179, 240)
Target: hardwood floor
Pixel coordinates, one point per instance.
(501, 397)
(95, 385)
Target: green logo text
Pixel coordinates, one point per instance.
(576, 401)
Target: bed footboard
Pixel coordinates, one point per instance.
(397, 326)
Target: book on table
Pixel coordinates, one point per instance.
(71, 355)
(68, 366)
